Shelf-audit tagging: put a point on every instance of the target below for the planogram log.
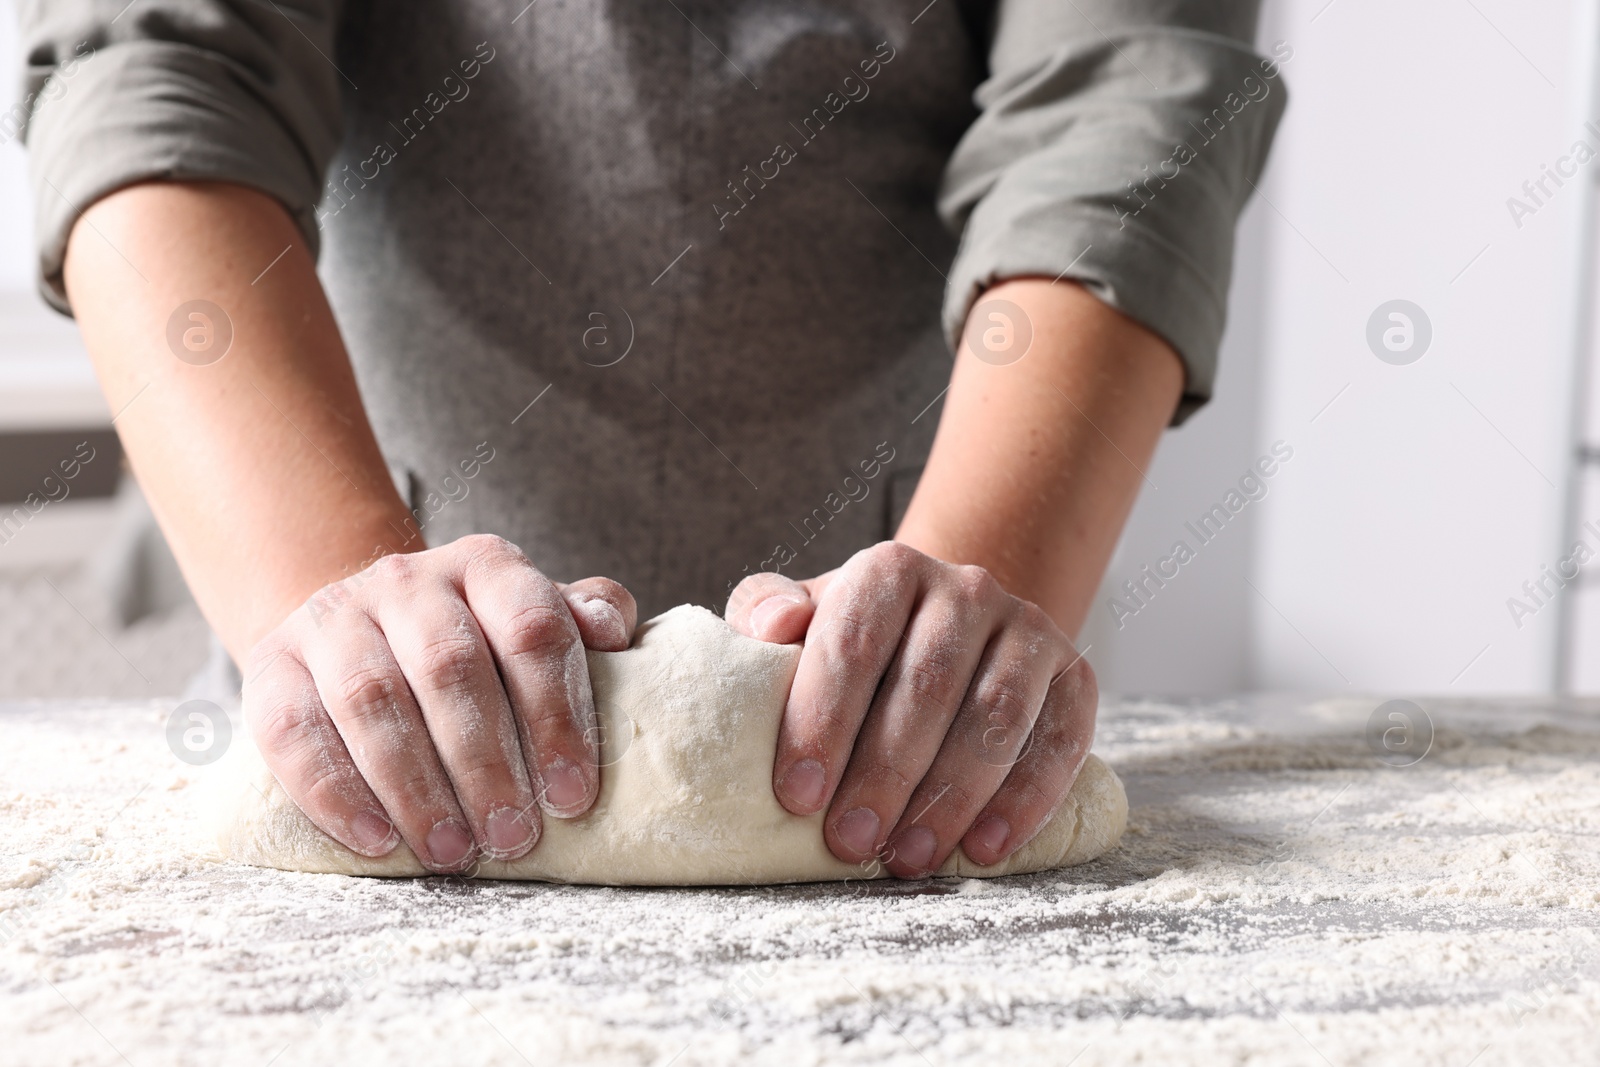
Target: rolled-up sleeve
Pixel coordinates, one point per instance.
(199, 90)
(1117, 142)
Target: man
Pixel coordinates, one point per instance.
(648, 291)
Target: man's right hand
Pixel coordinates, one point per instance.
(440, 697)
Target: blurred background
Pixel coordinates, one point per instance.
(1418, 344)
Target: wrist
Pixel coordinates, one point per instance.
(1038, 459)
(310, 565)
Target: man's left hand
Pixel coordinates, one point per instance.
(931, 707)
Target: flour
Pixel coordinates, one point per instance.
(1280, 898)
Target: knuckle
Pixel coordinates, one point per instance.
(287, 731)
(447, 662)
(1034, 619)
(279, 723)
(549, 721)
(397, 568)
(418, 795)
(365, 694)
(948, 801)
(268, 653)
(1060, 736)
(931, 683)
(1005, 706)
(538, 630)
(481, 772)
(1029, 794)
(1079, 683)
(975, 583)
(326, 786)
(853, 637)
(883, 777)
(490, 551)
(819, 727)
(893, 555)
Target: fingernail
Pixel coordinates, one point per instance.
(764, 613)
(448, 844)
(509, 832)
(564, 788)
(914, 848)
(605, 618)
(858, 829)
(991, 833)
(374, 833)
(803, 784)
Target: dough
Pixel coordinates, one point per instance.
(689, 718)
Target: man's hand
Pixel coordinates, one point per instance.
(938, 704)
(441, 697)
(931, 707)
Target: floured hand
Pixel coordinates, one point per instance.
(931, 707)
(441, 697)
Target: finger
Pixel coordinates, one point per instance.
(920, 696)
(367, 698)
(1035, 787)
(770, 607)
(604, 611)
(542, 666)
(857, 629)
(302, 747)
(447, 663)
(996, 719)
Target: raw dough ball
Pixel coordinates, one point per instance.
(689, 718)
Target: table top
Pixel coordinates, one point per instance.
(1292, 889)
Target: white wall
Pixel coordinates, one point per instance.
(1425, 494)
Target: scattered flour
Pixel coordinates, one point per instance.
(1280, 898)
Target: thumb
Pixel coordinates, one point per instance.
(604, 611)
(770, 607)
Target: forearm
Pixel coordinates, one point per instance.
(1037, 463)
(261, 467)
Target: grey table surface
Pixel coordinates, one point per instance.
(1285, 894)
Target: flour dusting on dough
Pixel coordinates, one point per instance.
(689, 721)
